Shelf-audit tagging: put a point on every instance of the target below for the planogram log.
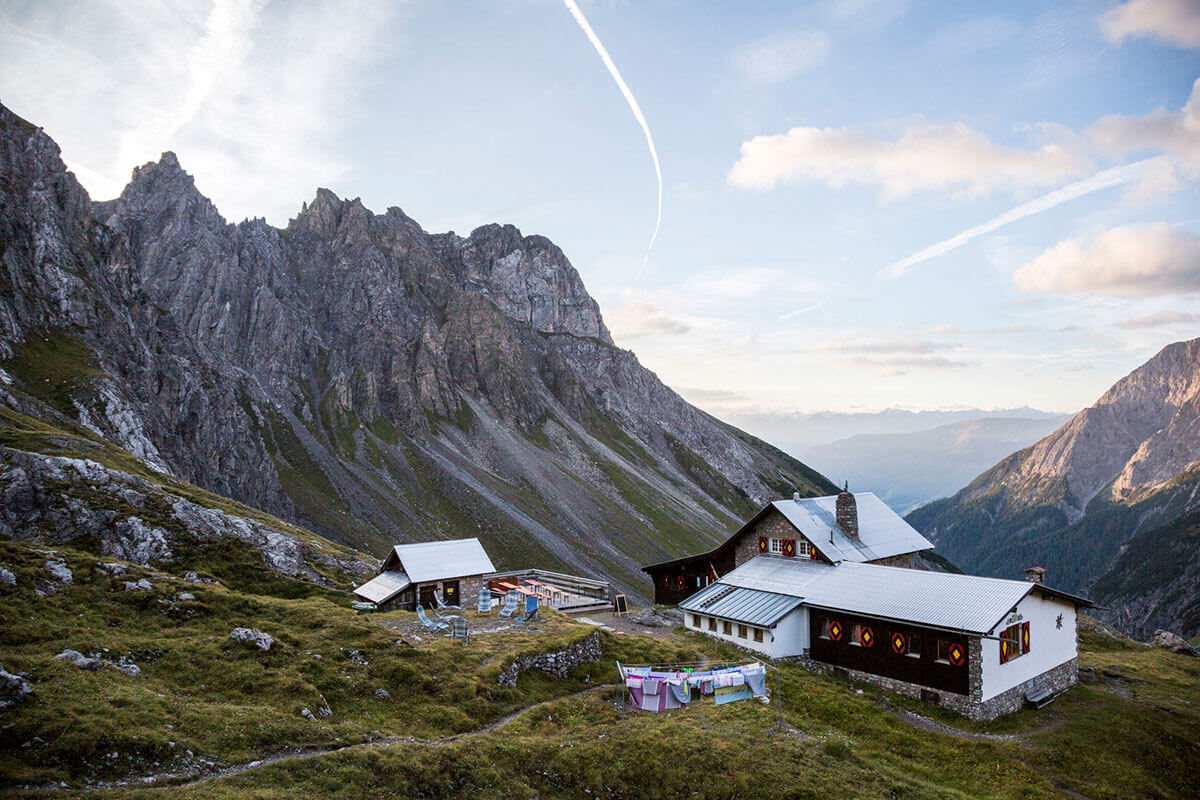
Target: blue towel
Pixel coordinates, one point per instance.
(681, 691)
(757, 681)
(730, 694)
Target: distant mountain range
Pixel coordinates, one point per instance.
(797, 432)
(1106, 503)
(910, 469)
(350, 373)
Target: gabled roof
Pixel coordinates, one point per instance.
(967, 603)
(741, 605)
(881, 531)
(383, 587)
(435, 561)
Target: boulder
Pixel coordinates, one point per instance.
(304, 712)
(78, 659)
(126, 666)
(60, 572)
(250, 636)
(1173, 642)
(13, 688)
(140, 585)
(183, 597)
(6, 576)
(382, 694)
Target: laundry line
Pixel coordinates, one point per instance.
(672, 678)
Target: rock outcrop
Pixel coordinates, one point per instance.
(1077, 500)
(355, 374)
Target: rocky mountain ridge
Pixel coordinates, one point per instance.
(1074, 501)
(357, 375)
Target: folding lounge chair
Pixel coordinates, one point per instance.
(511, 601)
(485, 600)
(531, 610)
(431, 624)
(442, 606)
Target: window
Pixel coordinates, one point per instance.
(914, 645)
(825, 623)
(777, 546)
(1014, 642)
(949, 652)
(741, 631)
(726, 628)
(758, 634)
(862, 636)
(712, 623)
(695, 620)
(804, 548)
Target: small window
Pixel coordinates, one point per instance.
(856, 635)
(950, 652)
(914, 646)
(1014, 642)
(695, 620)
(826, 623)
(726, 628)
(758, 634)
(777, 546)
(712, 623)
(741, 631)
(804, 548)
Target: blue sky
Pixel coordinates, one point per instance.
(809, 153)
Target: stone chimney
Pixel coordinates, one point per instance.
(1036, 574)
(847, 513)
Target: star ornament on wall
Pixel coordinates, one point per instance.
(1058, 622)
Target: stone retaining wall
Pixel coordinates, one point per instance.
(558, 663)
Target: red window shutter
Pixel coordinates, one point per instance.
(789, 547)
(762, 544)
(1024, 637)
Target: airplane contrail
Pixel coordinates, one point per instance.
(1104, 179)
(633, 106)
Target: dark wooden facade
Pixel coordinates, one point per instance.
(676, 581)
(881, 656)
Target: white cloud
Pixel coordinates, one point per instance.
(638, 319)
(1173, 21)
(781, 56)
(1134, 260)
(969, 37)
(1175, 133)
(925, 156)
(251, 98)
(1162, 319)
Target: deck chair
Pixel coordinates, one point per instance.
(485, 600)
(459, 629)
(431, 624)
(511, 601)
(531, 609)
(442, 606)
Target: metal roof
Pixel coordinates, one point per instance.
(435, 561)
(881, 531)
(383, 587)
(938, 599)
(750, 606)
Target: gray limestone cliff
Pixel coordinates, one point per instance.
(357, 375)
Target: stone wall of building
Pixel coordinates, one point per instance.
(773, 526)
(969, 705)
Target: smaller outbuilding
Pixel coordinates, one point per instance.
(413, 573)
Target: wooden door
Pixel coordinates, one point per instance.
(450, 593)
(426, 596)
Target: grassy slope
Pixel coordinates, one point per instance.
(232, 704)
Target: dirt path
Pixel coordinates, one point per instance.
(933, 726)
(298, 754)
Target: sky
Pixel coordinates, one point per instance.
(864, 205)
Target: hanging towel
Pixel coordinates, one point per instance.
(634, 682)
(757, 681)
(682, 692)
(635, 696)
(706, 685)
(730, 694)
(650, 685)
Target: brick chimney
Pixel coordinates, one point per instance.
(847, 513)
(1036, 574)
